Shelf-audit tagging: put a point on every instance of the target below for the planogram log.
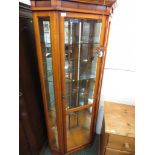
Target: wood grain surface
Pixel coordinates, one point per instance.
(120, 119)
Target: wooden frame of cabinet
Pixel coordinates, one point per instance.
(57, 11)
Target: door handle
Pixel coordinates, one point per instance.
(100, 52)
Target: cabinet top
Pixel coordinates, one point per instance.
(119, 119)
(85, 6)
(96, 2)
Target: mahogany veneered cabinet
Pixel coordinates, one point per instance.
(71, 38)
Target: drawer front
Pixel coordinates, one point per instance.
(116, 152)
(121, 143)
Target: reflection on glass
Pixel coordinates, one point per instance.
(44, 27)
(82, 37)
(78, 127)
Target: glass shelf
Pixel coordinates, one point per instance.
(82, 78)
(80, 92)
(81, 42)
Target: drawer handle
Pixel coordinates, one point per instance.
(126, 145)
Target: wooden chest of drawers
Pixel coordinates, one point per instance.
(119, 135)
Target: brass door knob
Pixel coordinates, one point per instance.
(99, 52)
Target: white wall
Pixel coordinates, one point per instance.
(118, 82)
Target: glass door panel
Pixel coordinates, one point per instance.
(44, 29)
(78, 127)
(82, 38)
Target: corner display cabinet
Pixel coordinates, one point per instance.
(71, 38)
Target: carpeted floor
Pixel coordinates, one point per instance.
(92, 150)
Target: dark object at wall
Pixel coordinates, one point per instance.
(32, 130)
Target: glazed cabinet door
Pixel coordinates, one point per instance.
(46, 40)
(70, 51)
(82, 52)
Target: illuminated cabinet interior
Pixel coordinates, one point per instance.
(71, 38)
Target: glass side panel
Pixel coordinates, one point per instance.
(78, 127)
(82, 37)
(44, 27)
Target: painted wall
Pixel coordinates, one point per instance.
(118, 82)
(119, 74)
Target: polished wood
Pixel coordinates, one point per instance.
(63, 90)
(77, 10)
(110, 151)
(58, 11)
(73, 6)
(79, 108)
(54, 25)
(32, 128)
(101, 70)
(124, 114)
(105, 31)
(39, 56)
(24, 146)
(97, 2)
(78, 148)
(100, 2)
(122, 143)
(119, 129)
